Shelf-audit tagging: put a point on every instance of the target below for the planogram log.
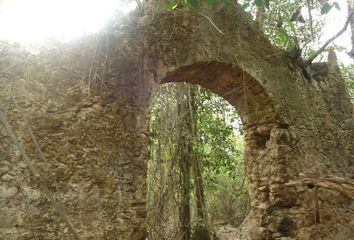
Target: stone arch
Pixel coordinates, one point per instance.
(256, 109)
(236, 64)
(275, 104)
(234, 85)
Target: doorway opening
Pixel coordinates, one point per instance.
(197, 182)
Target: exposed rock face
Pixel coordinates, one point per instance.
(87, 105)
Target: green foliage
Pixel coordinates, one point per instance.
(283, 21)
(282, 26)
(245, 5)
(283, 37)
(195, 4)
(258, 3)
(337, 6)
(219, 144)
(171, 5)
(261, 3)
(227, 199)
(217, 135)
(288, 23)
(326, 7)
(211, 2)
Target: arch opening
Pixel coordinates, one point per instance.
(216, 145)
(248, 97)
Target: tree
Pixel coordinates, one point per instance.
(184, 153)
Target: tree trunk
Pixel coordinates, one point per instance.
(201, 230)
(184, 150)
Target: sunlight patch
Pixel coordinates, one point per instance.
(33, 21)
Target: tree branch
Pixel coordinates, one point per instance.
(310, 18)
(139, 4)
(319, 51)
(351, 9)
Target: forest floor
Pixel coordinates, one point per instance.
(229, 233)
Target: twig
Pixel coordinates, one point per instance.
(309, 61)
(44, 159)
(211, 21)
(91, 69)
(310, 17)
(102, 82)
(316, 205)
(351, 9)
(57, 206)
(274, 54)
(173, 28)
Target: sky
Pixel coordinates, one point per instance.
(35, 21)
(335, 20)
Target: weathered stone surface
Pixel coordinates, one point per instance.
(87, 105)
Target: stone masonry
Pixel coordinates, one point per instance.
(86, 104)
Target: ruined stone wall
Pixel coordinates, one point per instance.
(87, 105)
(94, 142)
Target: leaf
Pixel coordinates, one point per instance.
(245, 5)
(261, 3)
(326, 8)
(226, 2)
(291, 26)
(337, 6)
(171, 5)
(283, 36)
(291, 44)
(194, 3)
(266, 3)
(258, 3)
(211, 2)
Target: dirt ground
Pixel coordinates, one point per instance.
(229, 233)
